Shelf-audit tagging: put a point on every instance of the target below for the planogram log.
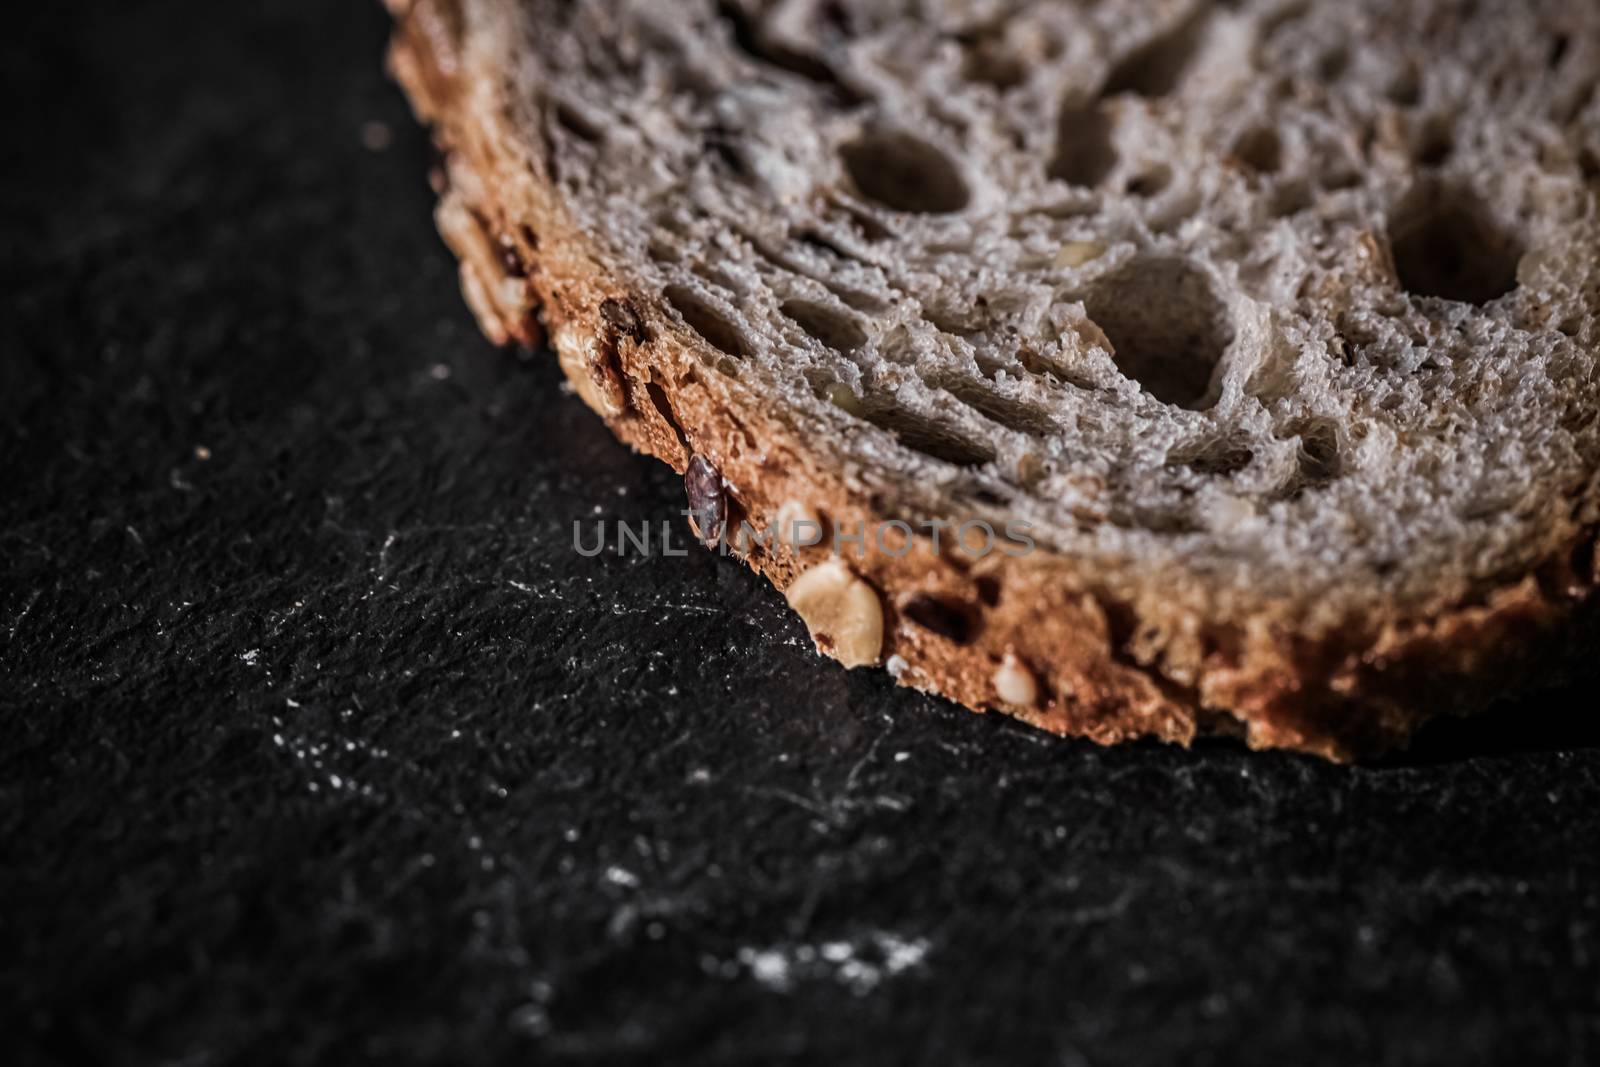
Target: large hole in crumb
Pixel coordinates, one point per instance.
(750, 38)
(1084, 153)
(1447, 245)
(928, 437)
(904, 173)
(1260, 149)
(1167, 328)
(834, 328)
(1156, 68)
(706, 321)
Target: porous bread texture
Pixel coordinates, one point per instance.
(1276, 322)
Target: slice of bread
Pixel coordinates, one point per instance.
(1272, 323)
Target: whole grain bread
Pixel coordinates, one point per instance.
(1273, 323)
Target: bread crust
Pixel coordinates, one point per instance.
(1109, 667)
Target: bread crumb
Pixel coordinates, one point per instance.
(376, 136)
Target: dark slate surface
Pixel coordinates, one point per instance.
(319, 744)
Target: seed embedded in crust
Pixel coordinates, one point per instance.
(841, 611)
(844, 398)
(580, 362)
(708, 507)
(1077, 253)
(1014, 683)
(797, 525)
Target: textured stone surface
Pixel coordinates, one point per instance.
(317, 736)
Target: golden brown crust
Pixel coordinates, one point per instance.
(1106, 669)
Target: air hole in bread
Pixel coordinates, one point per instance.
(989, 62)
(1405, 86)
(1436, 140)
(1156, 68)
(833, 328)
(1589, 164)
(821, 244)
(576, 125)
(663, 406)
(662, 250)
(1318, 460)
(1580, 103)
(1150, 182)
(722, 146)
(978, 494)
(1084, 154)
(1334, 62)
(930, 438)
(1167, 328)
(1216, 456)
(1003, 411)
(1291, 198)
(1558, 50)
(946, 616)
(904, 173)
(962, 320)
(1447, 245)
(750, 40)
(868, 302)
(706, 321)
(1260, 149)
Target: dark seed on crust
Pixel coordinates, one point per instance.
(946, 618)
(511, 260)
(708, 507)
(623, 319)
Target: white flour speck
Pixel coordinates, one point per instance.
(622, 876)
(770, 967)
(861, 963)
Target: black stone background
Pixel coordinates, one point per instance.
(327, 748)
